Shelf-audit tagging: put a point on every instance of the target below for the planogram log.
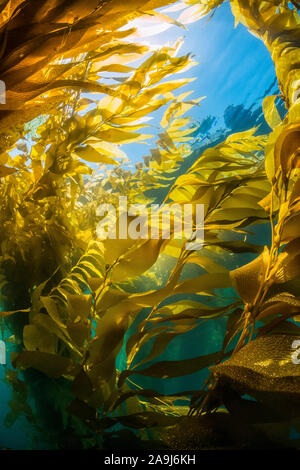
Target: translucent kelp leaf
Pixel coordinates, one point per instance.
(238, 246)
(169, 369)
(162, 338)
(286, 150)
(120, 136)
(270, 111)
(89, 154)
(12, 312)
(137, 260)
(248, 279)
(291, 228)
(54, 311)
(287, 265)
(278, 307)
(207, 263)
(80, 306)
(109, 334)
(195, 12)
(205, 283)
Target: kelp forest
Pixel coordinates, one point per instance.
(114, 343)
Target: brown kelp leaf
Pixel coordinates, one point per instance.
(137, 260)
(215, 431)
(12, 312)
(291, 228)
(81, 410)
(82, 387)
(89, 154)
(54, 310)
(79, 306)
(270, 111)
(238, 246)
(233, 326)
(152, 396)
(206, 263)
(38, 338)
(6, 171)
(279, 326)
(110, 331)
(295, 193)
(170, 369)
(287, 148)
(163, 339)
(278, 305)
(205, 283)
(50, 364)
(287, 265)
(137, 340)
(264, 369)
(80, 332)
(249, 411)
(247, 279)
(189, 311)
(147, 419)
(266, 202)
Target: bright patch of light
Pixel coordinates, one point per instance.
(144, 30)
(192, 14)
(150, 25)
(178, 7)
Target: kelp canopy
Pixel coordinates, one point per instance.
(77, 304)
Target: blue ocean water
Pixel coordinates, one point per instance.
(19, 435)
(234, 73)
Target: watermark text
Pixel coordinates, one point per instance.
(137, 221)
(2, 92)
(2, 352)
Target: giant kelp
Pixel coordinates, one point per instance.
(75, 301)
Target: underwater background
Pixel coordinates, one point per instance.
(234, 72)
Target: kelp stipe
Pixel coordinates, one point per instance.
(73, 300)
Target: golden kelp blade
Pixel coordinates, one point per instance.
(249, 278)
